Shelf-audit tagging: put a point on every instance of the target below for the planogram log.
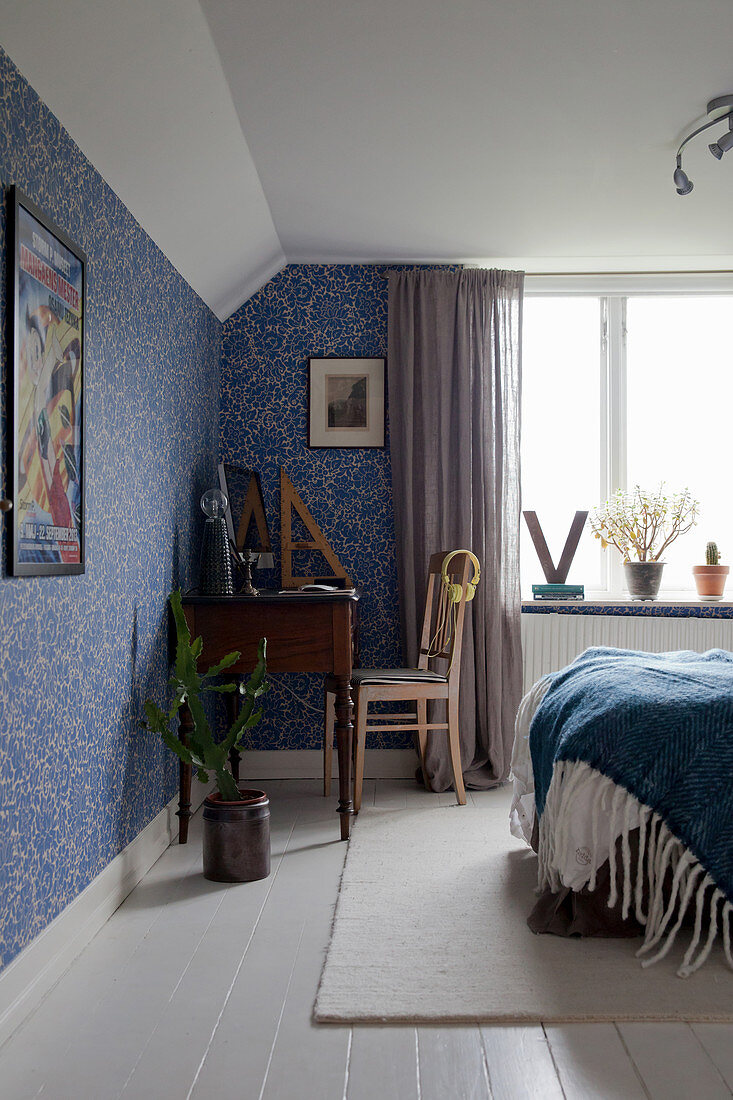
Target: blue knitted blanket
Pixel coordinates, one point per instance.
(659, 725)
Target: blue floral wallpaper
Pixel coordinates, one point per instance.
(78, 779)
(316, 310)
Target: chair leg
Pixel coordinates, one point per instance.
(455, 751)
(329, 716)
(422, 738)
(362, 706)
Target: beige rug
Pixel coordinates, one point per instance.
(430, 927)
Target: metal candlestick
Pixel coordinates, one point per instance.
(249, 561)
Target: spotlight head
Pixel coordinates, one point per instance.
(716, 150)
(681, 181)
(724, 144)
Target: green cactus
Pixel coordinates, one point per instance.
(712, 557)
(202, 751)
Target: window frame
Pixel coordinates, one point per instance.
(614, 290)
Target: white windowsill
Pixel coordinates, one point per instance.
(687, 607)
(672, 598)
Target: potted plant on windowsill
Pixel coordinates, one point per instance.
(710, 578)
(642, 525)
(236, 819)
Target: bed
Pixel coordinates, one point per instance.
(623, 785)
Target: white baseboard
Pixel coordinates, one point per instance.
(26, 980)
(308, 764)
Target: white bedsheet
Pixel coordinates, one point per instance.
(575, 858)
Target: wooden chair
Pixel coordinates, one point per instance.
(440, 640)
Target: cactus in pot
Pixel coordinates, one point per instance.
(204, 752)
(710, 578)
(236, 820)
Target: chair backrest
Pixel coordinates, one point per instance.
(441, 637)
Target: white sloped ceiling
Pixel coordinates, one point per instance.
(140, 88)
(244, 134)
(421, 129)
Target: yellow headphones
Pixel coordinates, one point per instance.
(455, 591)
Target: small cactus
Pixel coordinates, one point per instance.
(712, 556)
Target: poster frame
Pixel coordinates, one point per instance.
(19, 566)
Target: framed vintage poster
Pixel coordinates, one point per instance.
(47, 312)
(345, 402)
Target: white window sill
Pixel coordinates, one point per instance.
(686, 606)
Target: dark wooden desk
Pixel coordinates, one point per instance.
(305, 633)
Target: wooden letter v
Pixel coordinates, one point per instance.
(555, 575)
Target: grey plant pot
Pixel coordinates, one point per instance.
(643, 578)
(237, 837)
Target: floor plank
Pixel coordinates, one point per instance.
(307, 1060)
(383, 1063)
(519, 1063)
(193, 988)
(592, 1063)
(242, 1038)
(451, 1064)
(717, 1039)
(195, 1004)
(50, 1037)
(672, 1062)
(139, 997)
(268, 994)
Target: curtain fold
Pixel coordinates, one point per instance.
(454, 368)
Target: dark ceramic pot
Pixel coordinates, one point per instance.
(237, 837)
(643, 578)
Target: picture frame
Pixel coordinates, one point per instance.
(46, 368)
(346, 403)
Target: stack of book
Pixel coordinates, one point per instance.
(558, 591)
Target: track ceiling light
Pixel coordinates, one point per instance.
(722, 108)
(681, 179)
(723, 144)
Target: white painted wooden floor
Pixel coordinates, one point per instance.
(193, 989)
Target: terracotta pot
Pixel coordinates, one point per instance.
(710, 581)
(237, 837)
(643, 578)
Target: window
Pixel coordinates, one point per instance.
(618, 390)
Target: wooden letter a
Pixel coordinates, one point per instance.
(290, 498)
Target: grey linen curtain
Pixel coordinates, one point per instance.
(454, 362)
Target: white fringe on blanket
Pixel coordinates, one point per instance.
(660, 856)
(522, 814)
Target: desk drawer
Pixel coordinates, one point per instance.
(299, 638)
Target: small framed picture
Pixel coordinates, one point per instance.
(345, 402)
(46, 379)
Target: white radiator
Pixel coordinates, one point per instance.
(550, 642)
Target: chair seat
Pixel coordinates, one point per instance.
(396, 676)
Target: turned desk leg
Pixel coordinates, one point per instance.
(344, 730)
(183, 812)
